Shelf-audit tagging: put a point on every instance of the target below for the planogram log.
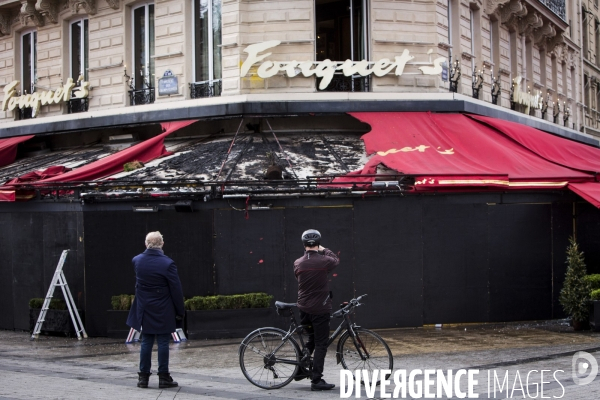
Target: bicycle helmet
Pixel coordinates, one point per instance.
(311, 238)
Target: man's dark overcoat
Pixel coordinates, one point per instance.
(158, 294)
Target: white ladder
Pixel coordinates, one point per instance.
(60, 280)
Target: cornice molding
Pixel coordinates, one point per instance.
(88, 5)
(491, 6)
(541, 35)
(6, 19)
(528, 24)
(114, 4)
(28, 11)
(48, 9)
(557, 40)
(511, 12)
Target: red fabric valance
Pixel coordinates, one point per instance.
(8, 148)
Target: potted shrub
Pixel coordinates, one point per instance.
(594, 309)
(234, 316)
(576, 289)
(116, 319)
(57, 320)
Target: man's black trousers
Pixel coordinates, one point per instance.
(317, 340)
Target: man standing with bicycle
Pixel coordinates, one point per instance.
(314, 300)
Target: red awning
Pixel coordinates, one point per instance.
(590, 191)
(146, 151)
(552, 148)
(8, 148)
(460, 152)
(449, 150)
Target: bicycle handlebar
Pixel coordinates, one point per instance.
(351, 304)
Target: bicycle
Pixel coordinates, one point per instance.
(270, 358)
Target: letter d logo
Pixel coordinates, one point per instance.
(581, 368)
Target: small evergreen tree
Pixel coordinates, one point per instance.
(576, 290)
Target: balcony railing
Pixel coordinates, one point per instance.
(141, 96)
(342, 83)
(557, 7)
(202, 89)
(24, 113)
(77, 105)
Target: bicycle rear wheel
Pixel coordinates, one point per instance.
(366, 351)
(267, 361)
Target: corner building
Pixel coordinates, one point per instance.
(280, 87)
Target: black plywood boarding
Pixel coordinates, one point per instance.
(388, 250)
(249, 252)
(6, 272)
(109, 270)
(28, 262)
(336, 227)
(455, 265)
(562, 229)
(520, 257)
(587, 220)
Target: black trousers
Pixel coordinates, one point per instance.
(318, 333)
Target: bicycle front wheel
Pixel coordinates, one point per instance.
(367, 351)
(268, 361)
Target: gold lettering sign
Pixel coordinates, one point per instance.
(526, 99)
(420, 149)
(327, 68)
(38, 99)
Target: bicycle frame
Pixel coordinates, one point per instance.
(345, 326)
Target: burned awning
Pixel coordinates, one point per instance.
(103, 167)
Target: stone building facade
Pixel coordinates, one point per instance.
(524, 55)
(590, 23)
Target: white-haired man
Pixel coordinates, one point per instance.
(157, 306)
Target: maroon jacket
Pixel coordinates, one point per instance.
(313, 286)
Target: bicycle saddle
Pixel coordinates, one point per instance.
(284, 306)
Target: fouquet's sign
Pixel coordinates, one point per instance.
(37, 99)
(326, 69)
(525, 98)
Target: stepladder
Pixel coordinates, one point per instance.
(59, 280)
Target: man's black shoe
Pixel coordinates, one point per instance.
(165, 381)
(301, 374)
(321, 385)
(143, 378)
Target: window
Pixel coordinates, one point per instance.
(342, 34)
(476, 39)
(565, 87)
(584, 24)
(79, 49)
(597, 37)
(28, 62)
(143, 52)
(454, 28)
(586, 92)
(207, 49)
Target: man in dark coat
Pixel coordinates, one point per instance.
(314, 300)
(157, 307)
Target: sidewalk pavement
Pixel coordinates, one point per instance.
(101, 368)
